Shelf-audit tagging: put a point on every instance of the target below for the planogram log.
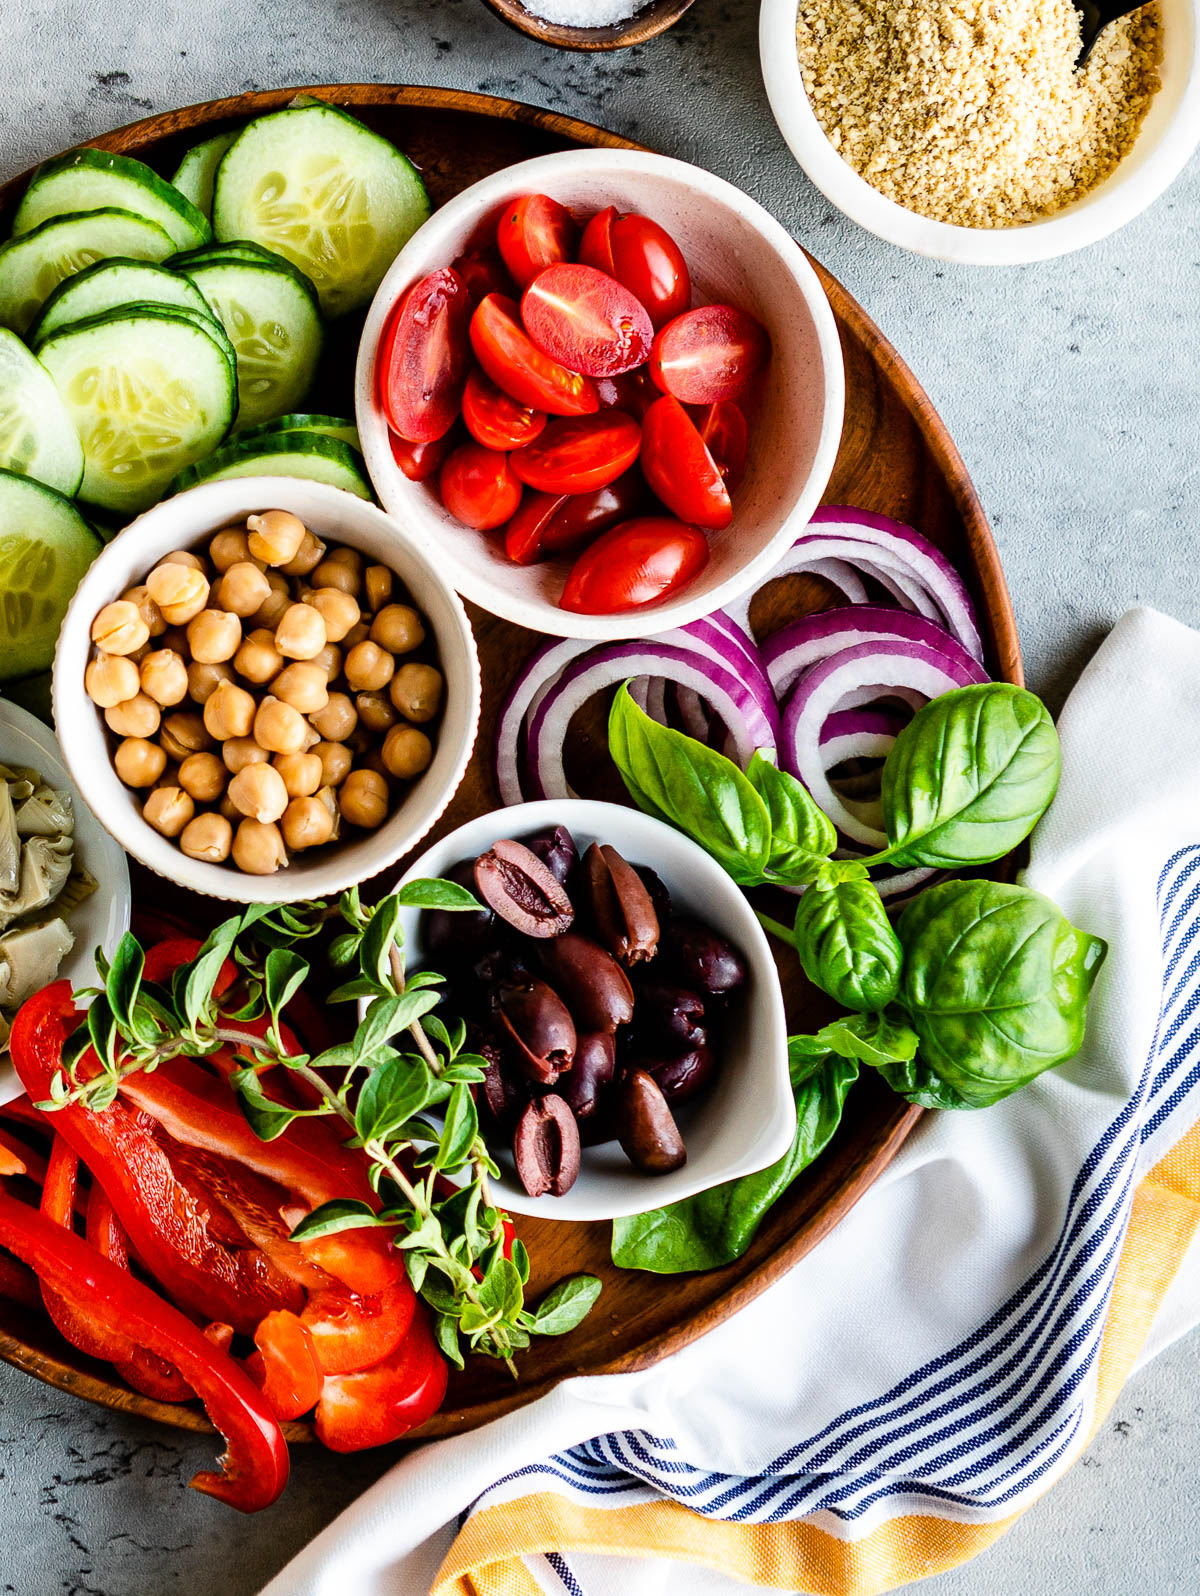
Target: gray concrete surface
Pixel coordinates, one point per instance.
(1072, 390)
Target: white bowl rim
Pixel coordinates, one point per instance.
(320, 878)
(1090, 219)
(587, 815)
(539, 173)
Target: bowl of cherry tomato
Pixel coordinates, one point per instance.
(606, 387)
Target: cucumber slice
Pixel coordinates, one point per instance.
(92, 180)
(328, 426)
(110, 284)
(334, 198)
(275, 328)
(236, 249)
(45, 547)
(32, 266)
(283, 454)
(37, 436)
(150, 390)
(197, 172)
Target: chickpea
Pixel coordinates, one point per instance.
(110, 679)
(207, 837)
(119, 628)
(258, 848)
(363, 799)
(336, 574)
(214, 636)
(146, 608)
(230, 547)
(136, 717)
(138, 654)
(302, 773)
(300, 633)
(375, 711)
(310, 553)
(416, 691)
(336, 760)
(279, 727)
(203, 679)
(174, 638)
(185, 557)
(259, 791)
(380, 582)
(277, 582)
(271, 612)
(229, 712)
(183, 734)
(243, 590)
(368, 667)
(203, 776)
(307, 823)
(302, 685)
(258, 660)
(337, 720)
(406, 751)
(229, 809)
(180, 591)
(398, 628)
(164, 677)
(344, 555)
(168, 810)
(275, 536)
(329, 660)
(139, 763)
(373, 760)
(338, 610)
(239, 752)
(356, 635)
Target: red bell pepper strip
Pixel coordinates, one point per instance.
(18, 1284)
(292, 1377)
(383, 1403)
(254, 1469)
(18, 1159)
(58, 1206)
(352, 1332)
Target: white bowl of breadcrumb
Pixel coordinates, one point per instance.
(963, 130)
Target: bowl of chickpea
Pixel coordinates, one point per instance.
(265, 691)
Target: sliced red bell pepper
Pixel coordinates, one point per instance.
(58, 1206)
(352, 1332)
(383, 1403)
(292, 1377)
(18, 1159)
(18, 1284)
(254, 1469)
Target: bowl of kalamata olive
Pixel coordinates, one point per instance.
(624, 999)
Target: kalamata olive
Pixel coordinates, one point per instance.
(646, 1127)
(657, 888)
(669, 1013)
(546, 1147)
(683, 1077)
(555, 847)
(522, 890)
(536, 1021)
(589, 980)
(593, 1070)
(702, 958)
(500, 1095)
(450, 933)
(622, 911)
(500, 963)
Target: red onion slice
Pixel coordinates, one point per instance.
(788, 653)
(539, 672)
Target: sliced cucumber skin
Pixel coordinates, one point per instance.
(241, 251)
(45, 547)
(395, 204)
(298, 421)
(200, 402)
(50, 450)
(108, 285)
(96, 179)
(197, 172)
(29, 265)
(310, 455)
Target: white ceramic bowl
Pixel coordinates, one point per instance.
(185, 520)
(1169, 134)
(736, 252)
(746, 1121)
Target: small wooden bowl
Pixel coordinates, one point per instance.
(651, 20)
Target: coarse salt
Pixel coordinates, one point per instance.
(584, 13)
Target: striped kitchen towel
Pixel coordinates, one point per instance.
(913, 1385)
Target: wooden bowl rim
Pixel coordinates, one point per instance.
(645, 24)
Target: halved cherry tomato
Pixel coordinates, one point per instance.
(723, 428)
(585, 319)
(579, 453)
(383, 1403)
(495, 420)
(478, 487)
(484, 273)
(424, 356)
(515, 363)
(420, 461)
(551, 523)
(647, 260)
(535, 231)
(679, 469)
(635, 563)
(709, 354)
(291, 1376)
(352, 1332)
(630, 391)
(595, 247)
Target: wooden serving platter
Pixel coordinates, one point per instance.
(896, 458)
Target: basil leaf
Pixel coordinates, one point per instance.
(692, 787)
(379, 938)
(847, 946)
(123, 980)
(500, 1290)
(797, 825)
(437, 894)
(969, 777)
(913, 1079)
(199, 977)
(996, 985)
(284, 973)
(872, 1039)
(564, 1306)
(459, 1130)
(445, 1333)
(715, 1227)
(343, 1213)
(391, 1095)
